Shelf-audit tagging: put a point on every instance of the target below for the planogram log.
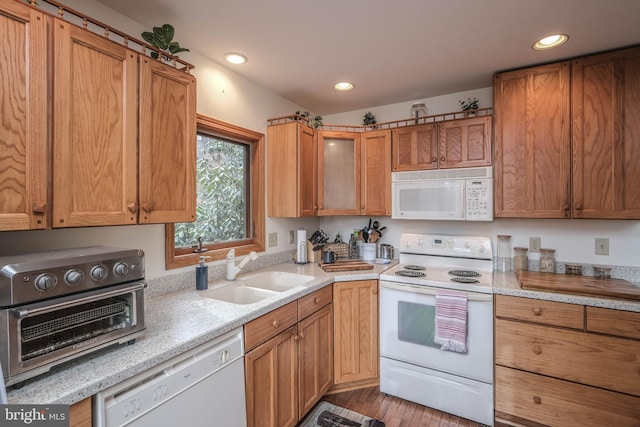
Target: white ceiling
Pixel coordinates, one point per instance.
(394, 51)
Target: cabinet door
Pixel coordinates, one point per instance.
(80, 414)
(94, 130)
(355, 328)
(338, 173)
(167, 144)
(465, 143)
(272, 382)
(415, 148)
(375, 183)
(315, 357)
(23, 128)
(606, 135)
(532, 155)
(307, 171)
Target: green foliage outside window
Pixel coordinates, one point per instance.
(221, 212)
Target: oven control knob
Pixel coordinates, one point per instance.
(99, 272)
(120, 269)
(45, 281)
(74, 277)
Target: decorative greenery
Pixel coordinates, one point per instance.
(315, 121)
(369, 119)
(161, 38)
(469, 104)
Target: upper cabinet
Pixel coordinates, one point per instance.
(24, 166)
(292, 170)
(375, 173)
(567, 141)
(532, 159)
(338, 173)
(457, 143)
(605, 106)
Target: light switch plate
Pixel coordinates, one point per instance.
(273, 240)
(602, 246)
(534, 244)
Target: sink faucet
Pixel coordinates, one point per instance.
(232, 270)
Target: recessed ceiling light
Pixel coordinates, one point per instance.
(343, 86)
(235, 58)
(550, 42)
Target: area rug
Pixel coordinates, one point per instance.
(324, 414)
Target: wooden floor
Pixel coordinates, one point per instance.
(395, 412)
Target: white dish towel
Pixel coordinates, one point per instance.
(451, 321)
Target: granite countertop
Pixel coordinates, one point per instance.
(175, 322)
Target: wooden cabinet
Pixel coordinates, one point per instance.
(80, 414)
(559, 364)
(354, 173)
(24, 166)
(605, 106)
(289, 360)
(532, 131)
(292, 170)
(457, 143)
(356, 349)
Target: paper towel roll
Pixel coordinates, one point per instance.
(301, 245)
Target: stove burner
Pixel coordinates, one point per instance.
(414, 267)
(410, 273)
(464, 273)
(464, 280)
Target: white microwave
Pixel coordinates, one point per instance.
(464, 194)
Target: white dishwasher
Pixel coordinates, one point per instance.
(202, 387)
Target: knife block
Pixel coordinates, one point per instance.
(313, 256)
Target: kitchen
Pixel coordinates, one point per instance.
(572, 239)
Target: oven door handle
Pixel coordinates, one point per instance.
(22, 313)
(425, 290)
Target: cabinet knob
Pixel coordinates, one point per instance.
(146, 207)
(39, 208)
(296, 338)
(537, 400)
(442, 158)
(537, 311)
(317, 300)
(434, 159)
(133, 207)
(275, 323)
(537, 350)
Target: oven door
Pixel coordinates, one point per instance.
(407, 330)
(428, 199)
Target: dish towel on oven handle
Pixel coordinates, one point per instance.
(451, 321)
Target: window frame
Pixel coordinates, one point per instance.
(174, 258)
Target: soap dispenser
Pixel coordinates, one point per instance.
(202, 274)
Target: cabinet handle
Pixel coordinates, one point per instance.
(537, 311)
(146, 207)
(566, 210)
(434, 159)
(39, 208)
(537, 350)
(296, 338)
(275, 324)
(442, 158)
(317, 300)
(133, 207)
(537, 400)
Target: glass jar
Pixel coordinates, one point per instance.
(548, 260)
(520, 259)
(418, 110)
(573, 269)
(602, 271)
(503, 260)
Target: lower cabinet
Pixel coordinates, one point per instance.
(80, 414)
(289, 360)
(559, 364)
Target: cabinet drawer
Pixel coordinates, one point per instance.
(613, 322)
(269, 325)
(313, 302)
(540, 311)
(596, 360)
(555, 402)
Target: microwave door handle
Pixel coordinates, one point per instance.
(424, 290)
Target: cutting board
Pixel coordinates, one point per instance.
(351, 265)
(580, 285)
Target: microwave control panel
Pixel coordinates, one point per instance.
(479, 200)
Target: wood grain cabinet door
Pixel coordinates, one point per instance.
(415, 148)
(167, 144)
(465, 143)
(23, 128)
(338, 173)
(94, 130)
(375, 173)
(532, 143)
(606, 135)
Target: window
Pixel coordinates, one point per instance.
(230, 196)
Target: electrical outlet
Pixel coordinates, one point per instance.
(273, 240)
(292, 237)
(535, 244)
(602, 246)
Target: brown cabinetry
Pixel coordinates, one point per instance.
(80, 414)
(553, 368)
(289, 360)
(292, 170)
(356, 348)
(375, 173)
(415, 148)
(24, 167)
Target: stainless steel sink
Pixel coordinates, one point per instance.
(257, 288)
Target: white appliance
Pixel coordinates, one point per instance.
(464, 194)
(202, 387)
(412, 366)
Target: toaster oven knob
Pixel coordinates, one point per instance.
(73, 277)
(45, 281)
(120, 269)
(99, 272)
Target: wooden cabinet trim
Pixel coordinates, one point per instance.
(540, 311)
(269, 325)
(313, 302)
(613, 322)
